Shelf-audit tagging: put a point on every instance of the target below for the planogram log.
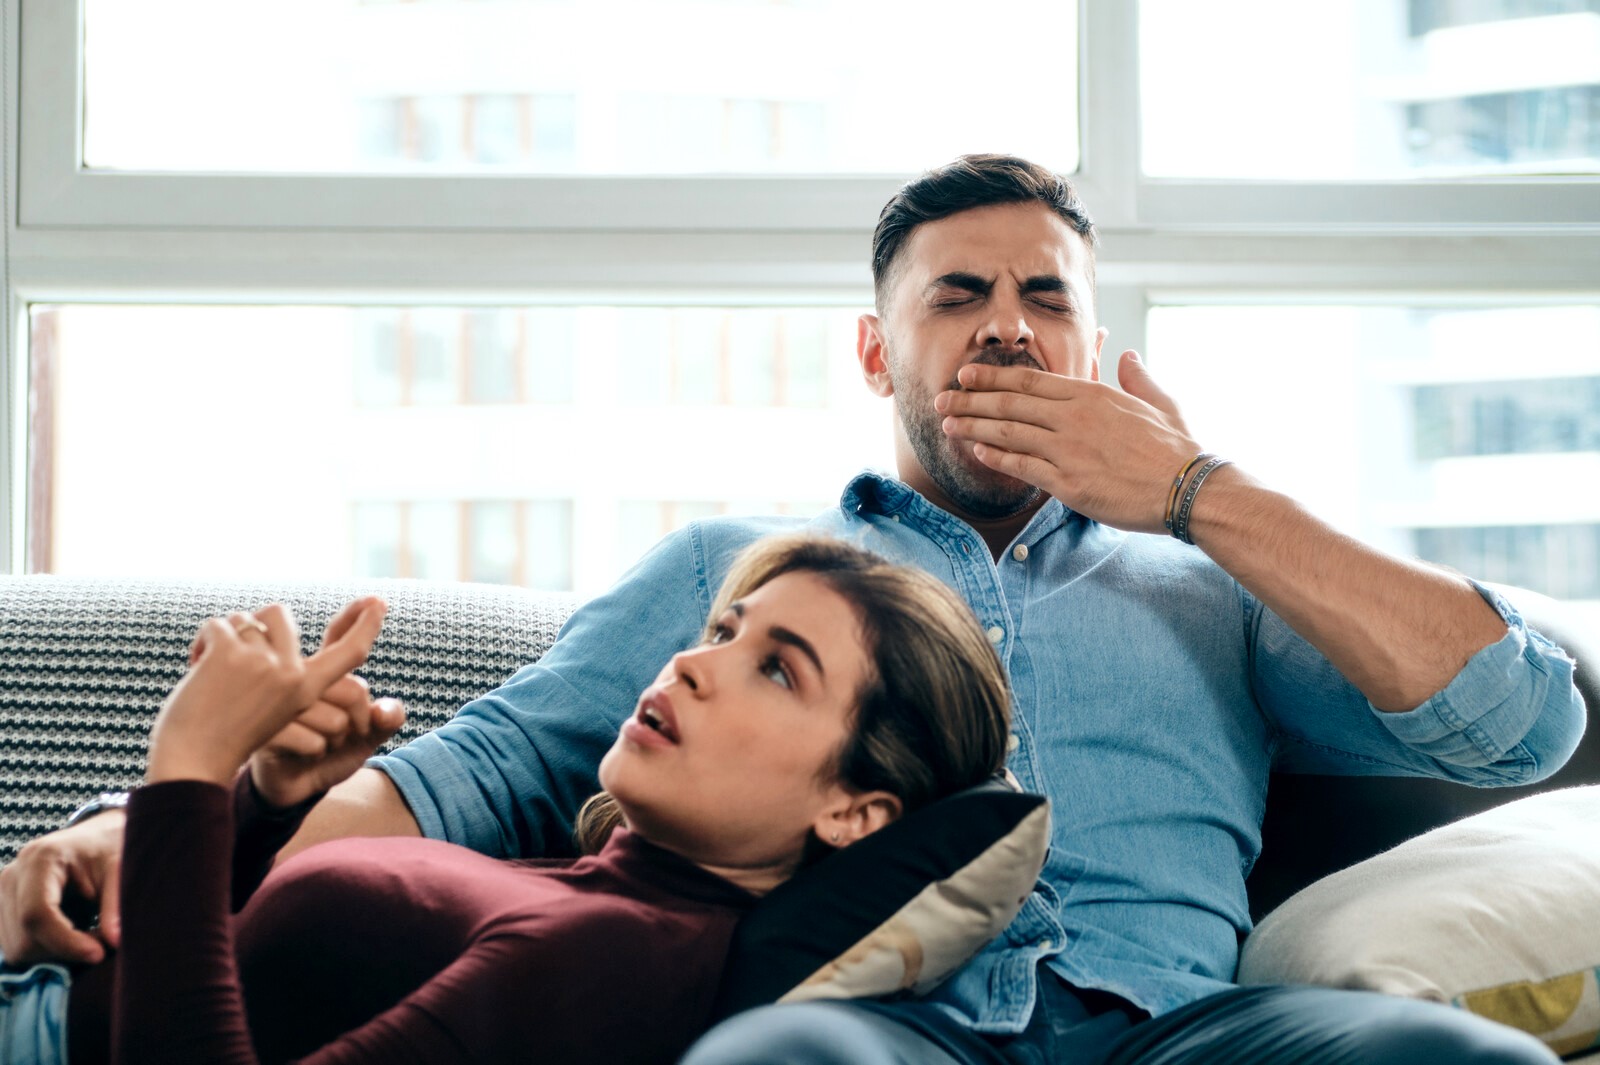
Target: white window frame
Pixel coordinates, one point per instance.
(74, 234)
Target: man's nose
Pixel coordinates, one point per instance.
(1006, 326)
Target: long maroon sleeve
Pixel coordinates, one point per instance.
(259, 833)
(405, 950)
(177, 996)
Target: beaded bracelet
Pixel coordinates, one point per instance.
(1180, 523)
(1177, 483)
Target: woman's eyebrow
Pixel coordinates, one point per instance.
(794, 639)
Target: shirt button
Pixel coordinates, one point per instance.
(894, 517)
(996, 634)
(1012, 743)
(1048, 944)
(1020, 552)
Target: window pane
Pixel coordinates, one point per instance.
(496, 338)
(324, 442)
(1559, 560)
(430, 339)
(543, 86)
(378, 539)
(551, 348)
(1508, 417)
(1409, 426)
(495, 542)
(547, 526)
(1370, 89)
(435, 540)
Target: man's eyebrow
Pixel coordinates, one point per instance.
(967, 282)
(1046, 283)
(794, 639)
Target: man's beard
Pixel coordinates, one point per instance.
(981, 493)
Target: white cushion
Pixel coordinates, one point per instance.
(1498, 914)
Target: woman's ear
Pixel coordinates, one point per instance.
(855, 816)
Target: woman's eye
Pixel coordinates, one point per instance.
(720, 634)
(774, 670)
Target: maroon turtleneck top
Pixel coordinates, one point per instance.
(394, 950)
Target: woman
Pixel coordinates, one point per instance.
(831, 693)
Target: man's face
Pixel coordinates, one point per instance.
(1007, 285)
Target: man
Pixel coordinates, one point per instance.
(1157, 679)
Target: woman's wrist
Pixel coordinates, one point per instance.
(166, 764)
(283, 802)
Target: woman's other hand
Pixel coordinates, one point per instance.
(331, 739)
(247, 682)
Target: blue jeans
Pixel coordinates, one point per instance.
(33, 1015)
(1318, 1026)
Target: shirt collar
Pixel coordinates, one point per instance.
(871, 492)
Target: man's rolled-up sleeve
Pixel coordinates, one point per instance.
(1510, 716)
(1513, 707)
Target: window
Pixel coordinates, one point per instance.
(528, 86)
(1409, 426)
(1559, 414)
(1369, 89)
(451, 443)
(509, 319)
(497, 541)
(1558, 126)
(1425, 16)
(1560, 560)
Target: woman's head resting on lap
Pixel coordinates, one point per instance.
(831, 693)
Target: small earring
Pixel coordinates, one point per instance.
(835, 837)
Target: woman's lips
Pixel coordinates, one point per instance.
(653, 724)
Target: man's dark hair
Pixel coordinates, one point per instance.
(971, 181)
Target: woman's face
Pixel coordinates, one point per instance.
(728, 757)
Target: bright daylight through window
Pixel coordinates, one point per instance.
(537, 399)
(1370, 88)
(536, 86)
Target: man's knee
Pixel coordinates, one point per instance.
(1446, 1036)
(817, 1033)
(1323, 1026)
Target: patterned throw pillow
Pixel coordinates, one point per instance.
(1498, 914)
(897, 911)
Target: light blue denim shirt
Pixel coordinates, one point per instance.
(1153, 697)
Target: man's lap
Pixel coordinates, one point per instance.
(1255, 1024)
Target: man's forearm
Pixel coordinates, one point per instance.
(1398, 630)
(367, 804)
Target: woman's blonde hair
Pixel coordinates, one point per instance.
(934, 713)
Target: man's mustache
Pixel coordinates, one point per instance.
(1000, 357)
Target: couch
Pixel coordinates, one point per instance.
(84, 664)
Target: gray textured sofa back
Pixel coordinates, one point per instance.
(85, 663)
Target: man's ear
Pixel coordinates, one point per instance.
(855, 816)
(872, 351)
